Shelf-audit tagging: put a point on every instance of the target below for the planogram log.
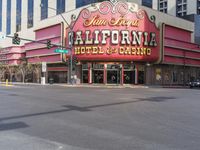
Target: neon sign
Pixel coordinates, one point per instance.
(119, 31)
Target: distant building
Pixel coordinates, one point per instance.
(147, 3)
(196, 19)
(177, 8)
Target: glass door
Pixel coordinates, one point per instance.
(113, 74)
(98, 73)
(141, 75)
(129, 74)
(85, 73)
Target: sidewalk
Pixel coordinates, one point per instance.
(103, 86)
(176, 86)
(96, 85)
(77, 85)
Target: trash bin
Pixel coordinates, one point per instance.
(51, 81)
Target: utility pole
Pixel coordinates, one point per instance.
(184, 68)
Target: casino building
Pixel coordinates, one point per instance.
(124, 43)
(116, 43)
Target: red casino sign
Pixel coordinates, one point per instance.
(119, 31)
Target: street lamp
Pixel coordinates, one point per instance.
(62, 45)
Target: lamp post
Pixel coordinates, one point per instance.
(62, 44)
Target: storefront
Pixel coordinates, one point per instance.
(37, 53)
(112, 73)
(113, 43)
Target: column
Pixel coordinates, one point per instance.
(105, 74)
(51, 12)
(136, 74)
(13, 17)
(90, 73)
(122, 73)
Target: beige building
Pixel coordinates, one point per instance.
(177, 8)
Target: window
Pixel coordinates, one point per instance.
(8, 19)
(184, 6)
(181, 8)
(184, 14)
(60, 6)
(179, 1)
(44, 9)
(162, 6)
(198, 7)
(178, 8)
(165, 4)
(178, 15)
(147, 3)
(80, 3)
(18, 15)
(198, 12)
(30, 13)
(0, 15)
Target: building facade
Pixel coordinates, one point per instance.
(112, 43)
(133, 49)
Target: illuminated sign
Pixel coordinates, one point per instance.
(119, 31)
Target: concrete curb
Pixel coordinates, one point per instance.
(95, 85)
(78, 85)
(103, 86)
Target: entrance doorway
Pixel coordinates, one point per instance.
(85, 73)
(57, 76)
(113, 74)
(97, 76)
(129, 74)
(141, 75)
(97, 73)
(100, 73)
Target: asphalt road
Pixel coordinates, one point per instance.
(63, 118)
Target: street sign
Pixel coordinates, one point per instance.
(44, 66)
(65, 51)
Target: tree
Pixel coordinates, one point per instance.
(37, 68)
(2, 70)
(24, 67)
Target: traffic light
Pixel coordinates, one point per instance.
(75, 60)
(16, 39)
(49, 44)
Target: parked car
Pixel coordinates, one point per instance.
(195, 83)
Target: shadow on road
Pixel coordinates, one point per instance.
(88, 108)
(156, 99)
(12, 126)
